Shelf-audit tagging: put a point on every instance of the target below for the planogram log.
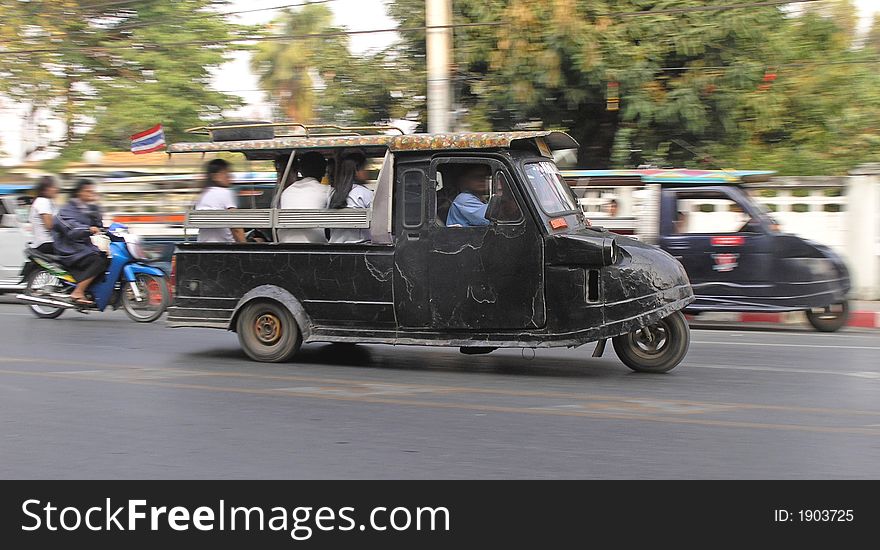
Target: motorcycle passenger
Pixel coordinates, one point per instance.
(72, 229)
(218, 195)
(350, 191)
(41, 215)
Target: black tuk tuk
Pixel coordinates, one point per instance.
(733, 250)
(532, 275)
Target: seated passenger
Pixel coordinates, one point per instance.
(468, 209)
(41, 213)
(217, 194)
(349, 191)
(72, 230)
(307, 193)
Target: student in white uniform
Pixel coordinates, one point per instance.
(307, 193)
(218, 195)
(349, 191)
(42, 214)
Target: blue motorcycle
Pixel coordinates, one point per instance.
(142, 290)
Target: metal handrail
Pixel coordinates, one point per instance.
(308, 128)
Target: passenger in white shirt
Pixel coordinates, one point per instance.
(218, 195)
(307, 193)
(349, 191)
(42, 214)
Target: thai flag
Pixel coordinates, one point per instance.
(148, 141)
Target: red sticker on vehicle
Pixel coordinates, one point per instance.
(725, 263)
(734, 240)
(558, 223)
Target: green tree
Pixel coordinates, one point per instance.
(318, 80)
(822, 114)
(748, 86)
(551, 62)
(291, 70)
(873, 40)
(108, 69)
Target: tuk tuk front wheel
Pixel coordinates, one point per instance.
(267, 332)
(829, 319)
(657, 348)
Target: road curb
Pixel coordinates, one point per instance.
(857, 319)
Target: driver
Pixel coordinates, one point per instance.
(468, 209)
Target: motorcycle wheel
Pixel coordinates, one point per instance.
(154, 298)
(39, 282)
(658, 348)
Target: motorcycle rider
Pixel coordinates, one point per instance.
(74, 225)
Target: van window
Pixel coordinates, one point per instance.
(710, 213)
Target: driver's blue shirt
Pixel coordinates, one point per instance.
(467, 210)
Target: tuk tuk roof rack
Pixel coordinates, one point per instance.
(308, 129)
(264, 148)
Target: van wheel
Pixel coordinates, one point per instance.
(656, 348)
(268, 332)
(829, 319)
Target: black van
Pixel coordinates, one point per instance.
(739, 262)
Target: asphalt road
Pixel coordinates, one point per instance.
(99, 396)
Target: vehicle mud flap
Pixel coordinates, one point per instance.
(600, 348)
(26, 270)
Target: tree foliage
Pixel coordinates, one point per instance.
(757, 86)
(319, 80)
(109, 69)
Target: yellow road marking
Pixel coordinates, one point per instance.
(461, 406)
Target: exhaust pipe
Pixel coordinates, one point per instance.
(44, 301)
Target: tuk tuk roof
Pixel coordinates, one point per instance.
(665, 175)
(413, 142)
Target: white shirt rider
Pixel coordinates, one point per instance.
(40, 206)
(216, 198)
(305, 194)
(359, 197)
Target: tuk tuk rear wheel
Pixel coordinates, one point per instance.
(657, 348)
(830, 319)
(267, 332)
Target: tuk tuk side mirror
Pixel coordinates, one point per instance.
(493, 210)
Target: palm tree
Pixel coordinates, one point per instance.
(287, 68)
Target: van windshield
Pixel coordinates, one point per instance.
(550, 189)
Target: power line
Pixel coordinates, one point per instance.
(403, 29)
(280, 37)
(202, 15)
(707, 8)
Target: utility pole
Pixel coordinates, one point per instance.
(438, 13)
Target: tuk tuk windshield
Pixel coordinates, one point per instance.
(550, 189)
